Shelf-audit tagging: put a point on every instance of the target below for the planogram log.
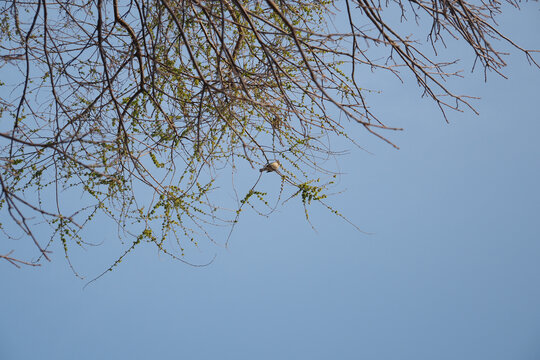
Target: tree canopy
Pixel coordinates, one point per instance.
(139, 109)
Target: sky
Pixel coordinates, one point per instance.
(449, 271)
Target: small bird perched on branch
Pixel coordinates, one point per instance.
(271, 166)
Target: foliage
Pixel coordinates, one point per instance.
(134, 108)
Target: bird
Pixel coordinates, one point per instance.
(271, 166)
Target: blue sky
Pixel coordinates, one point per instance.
(451, 270)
